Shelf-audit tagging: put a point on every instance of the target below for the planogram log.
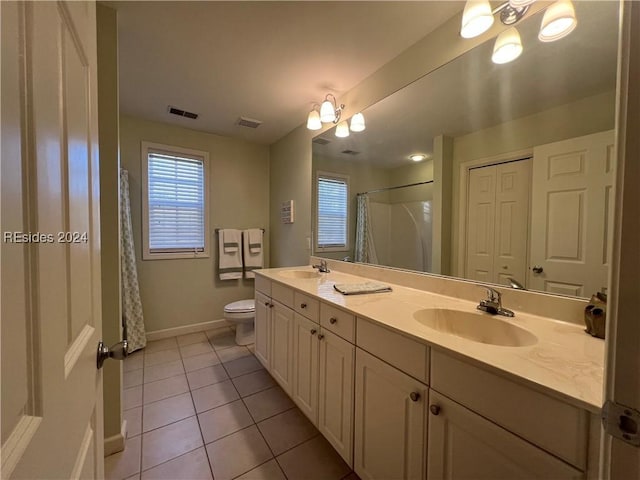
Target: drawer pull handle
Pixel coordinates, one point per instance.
(435, 409)
(303, 305)
(414, 396)
(320, 337)
(266, 304)
(333, 320)
(271, 305)
(313, 331)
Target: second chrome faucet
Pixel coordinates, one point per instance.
(493, 304)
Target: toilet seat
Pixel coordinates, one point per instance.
(241, 306)
(242, 314)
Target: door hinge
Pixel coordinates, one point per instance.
(621, 422)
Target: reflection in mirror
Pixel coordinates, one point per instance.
(515, 185)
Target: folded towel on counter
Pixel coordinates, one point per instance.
(230, 260)
(252, 246)
(361, 288)
(231, 240)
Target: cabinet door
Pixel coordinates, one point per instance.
(390, 425)
(282, 345)
(335, 414)
(305, 366)
(464, 445)
(263, 329)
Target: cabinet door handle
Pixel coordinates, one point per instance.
(313, 331)
(303, 305)
(266, 304)
(414, 396)
(435, 409)
(271, 305)
(333, 320)
(320, 336)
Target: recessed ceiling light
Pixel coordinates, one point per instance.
(417, 157)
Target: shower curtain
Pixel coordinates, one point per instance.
(365, 250)
(132, 317)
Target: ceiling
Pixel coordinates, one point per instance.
(471, 93)
(268, 61)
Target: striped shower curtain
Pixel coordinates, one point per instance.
(132, 317)
(365, 250)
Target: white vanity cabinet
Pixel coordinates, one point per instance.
(390, 421)
(282, 318)
(305, 366)
(262, 329)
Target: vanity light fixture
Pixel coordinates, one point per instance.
(357, 123)
(559, 21)
(477, 18)
(313, 120)
(342, 129)
(329, 112)
(508, 46)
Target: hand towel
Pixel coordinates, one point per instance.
(252, 246)
(230, 263)
(231, 240)
(361, 288)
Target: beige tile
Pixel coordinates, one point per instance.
(194, 349)
(200, 361)
(159, 345)
(167, 411)
(162, 371)
(266, 471)
(221, 338)
(166, 388)
(132, 378)
(133, 362)
(190, 338)
(231, 353)
(215, 395)
(132, 397)
(134, 421)
(193, 466)
(222, 421)
(237, 453)
(206, 376)
(286, 430)
(124, 464)
(164, 356)
(267, 403)
(242, 366)
(169, 442)
(313, 460)
(253, 382)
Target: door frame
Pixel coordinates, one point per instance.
(463, 189)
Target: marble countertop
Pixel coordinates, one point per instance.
(565, 362)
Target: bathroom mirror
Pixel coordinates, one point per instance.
(516, 186)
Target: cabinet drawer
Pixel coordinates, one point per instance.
(551, 424)
(282, 294)
(306, 306)
(408, 355)
(338, 321)
(263, 285)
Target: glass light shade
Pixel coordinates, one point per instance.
(357, 123)
(342, 130)
(559, 21)
(417, 157)
(476, 18)
(313, 120)
(520, 3)
(508, 47)
(327, 112)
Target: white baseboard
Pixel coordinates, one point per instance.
(115, 443)
(197, 327)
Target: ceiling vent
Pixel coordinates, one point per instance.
(350, 152)
(182, 113)
(248, 122)
(320, 141)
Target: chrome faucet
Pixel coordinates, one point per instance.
(322, 267)
(493, 304)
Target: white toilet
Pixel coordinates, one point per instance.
(242, 314)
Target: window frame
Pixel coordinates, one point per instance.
(145, 149)
(346, 180)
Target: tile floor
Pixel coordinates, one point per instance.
(200, 407)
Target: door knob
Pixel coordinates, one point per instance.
(117, 352)
(537, 269)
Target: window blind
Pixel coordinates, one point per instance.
(332, 212)
(176, 203)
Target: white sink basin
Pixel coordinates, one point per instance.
(477, 327)
(299, 274)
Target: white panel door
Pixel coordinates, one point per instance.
(282, 345)
(481, 217)
(572, 214)
(305, 366)
(51, 320)
(335, 411)
(390, 425)
(263, 329)
(465, 446)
